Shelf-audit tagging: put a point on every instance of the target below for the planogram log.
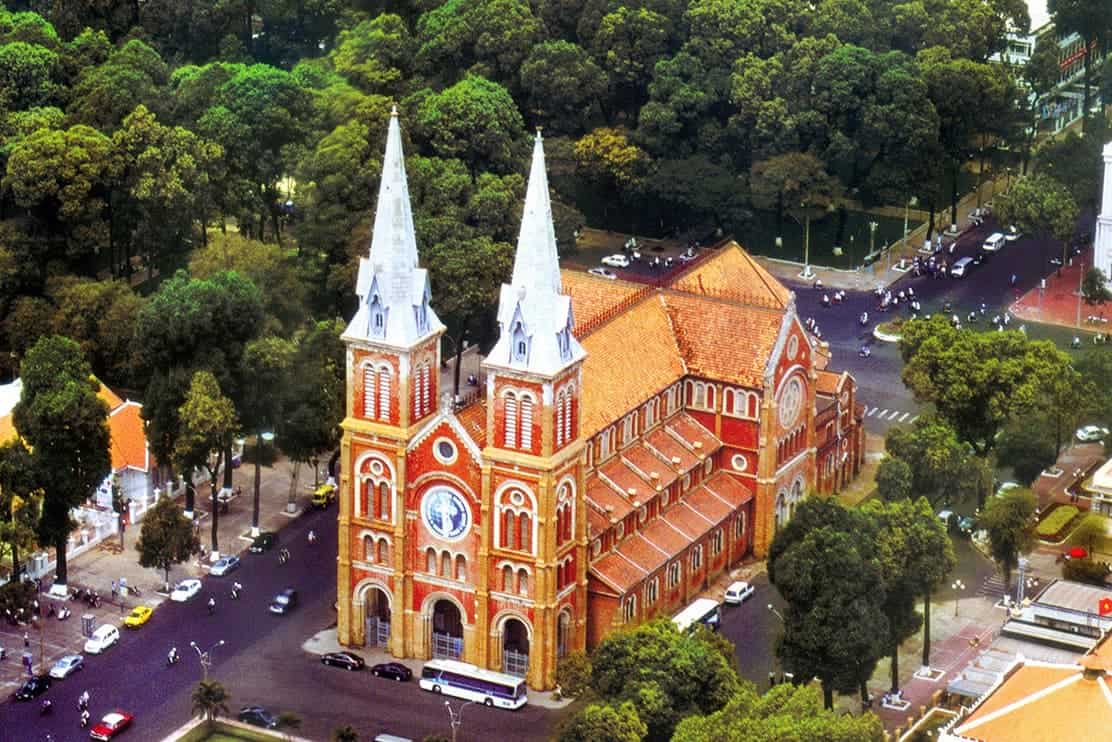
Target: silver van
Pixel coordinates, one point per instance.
(961, 268)
(994, 243)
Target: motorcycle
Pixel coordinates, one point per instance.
(64, 613)
(173, 658)
(47, 707)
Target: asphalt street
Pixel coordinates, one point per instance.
(261, 662)
(753, 629)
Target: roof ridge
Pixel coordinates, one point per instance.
(1021, 702)
(612, 312)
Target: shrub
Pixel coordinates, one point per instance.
(573, 674)
(1056, 522)
(1085, 570)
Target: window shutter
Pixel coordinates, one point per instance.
(510, 411)
(368, 391)
(384, 394)
(526, 423)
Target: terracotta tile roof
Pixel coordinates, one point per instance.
(473, 418)
(624, 478)
(661, 533)
(601, 495)
(645, 554)
(707, 504)
(109, 396)
(129, 438)
(647, 462)
(729, 488)
(617, 572)
(688, 520)
(723, 340)
(593, 297)
(629, 359)
(829, 381)
(665, 443)
(597, 522)
(732, 272)
(690, 432)
(1040, 702)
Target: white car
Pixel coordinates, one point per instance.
(185, 590)
(224, 565)
(67, 665)
(1091, 433)
(616, 261)
(737, 593)
(1013, 233)
(603, 273)
(103, 638)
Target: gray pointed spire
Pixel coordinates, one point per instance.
(534, 317)
(393, 290)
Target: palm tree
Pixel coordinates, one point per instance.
(345, 733)
(210, 699)
(289, 722)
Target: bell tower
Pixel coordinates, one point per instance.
(393, 362)
(535, 541)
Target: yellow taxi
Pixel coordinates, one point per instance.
(138, 616)
(324, 495)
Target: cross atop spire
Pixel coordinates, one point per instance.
(393, 290)
(534, 317)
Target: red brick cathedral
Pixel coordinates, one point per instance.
(630, 444)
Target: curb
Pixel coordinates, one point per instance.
(885, 337)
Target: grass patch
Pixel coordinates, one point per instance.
(1056, 522)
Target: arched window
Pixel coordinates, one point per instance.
(507, 579)
(383, 501)
(752, 406)
(629, 609)
(369, 410)
(520, 344)
(567, 414)
(430, 561)
(522, 582)
(368, 549)
(383, 552)
(525, 532)
(445, 564)
(378, 317)
(384, 393)
(526, 423)
(507, 536)
(461, 567)
(739, 525)
(510, 414)
(366, 503)
(651, 591)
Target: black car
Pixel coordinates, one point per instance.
(346, 660)
(33, 688)
(284, 602)
(265, 541)
(259, 716)
(393, 670)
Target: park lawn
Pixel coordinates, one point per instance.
(1052, 525)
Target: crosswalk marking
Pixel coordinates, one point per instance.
(890, 415)
(870, 412)
(894, 414)
(904, 416)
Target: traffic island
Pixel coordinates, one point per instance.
(226, 730)
(889, 332)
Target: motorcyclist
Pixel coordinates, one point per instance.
(172, 656)
(312, 537)
(47, 706)
(212, 605)
(84, 718)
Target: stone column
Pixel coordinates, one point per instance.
(1102, 246)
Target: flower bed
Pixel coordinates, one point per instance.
(1056, 522)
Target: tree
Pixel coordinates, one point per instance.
(1069, 160)
(1008, 520)
(487, 37)
(605, 723)
(894, 479)
(20, 502)
(1095, 367)
(27, 75)
(1094, 286)
(166, 537)
(376, 54)
(562, 84)
(210, 699)
(1092, 527)
(1092, 21)
(627, 45)
(345, 733)
(65, 425)
(288, 722)
(208, 421)
(786, 713)
(1040, 205)
(573, 674)
(1029, 447)
(796, 183)
(934, 458)
(266, 364)
(103, 95)
(100, 316)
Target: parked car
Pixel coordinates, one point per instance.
(737, 593)
(224, 565)
(185, 590)
(265, 541)
(284, 602)
(103, 638)
(110, 725)
(967, 524)
(66, 666)
(393, 670)
(33, 688)
(324, 495)
(346, 660)
(616, 261)
(259, 716)
(1013, 233)
(1091, 433)
(603, 273)
(139, 615)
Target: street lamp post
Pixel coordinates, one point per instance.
(260, 438)
(806, 274)
(42, 637)
(958, 586)
(456, 717)
(771, 673)
(1080, 288)
(205, 656)
(912, 201)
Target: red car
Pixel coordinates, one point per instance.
(111, 725)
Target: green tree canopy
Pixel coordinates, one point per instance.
(604, 722)
(166, 537)
(1008, 519)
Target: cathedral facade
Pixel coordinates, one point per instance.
(629, 445)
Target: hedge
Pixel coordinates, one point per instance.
(1056, 521)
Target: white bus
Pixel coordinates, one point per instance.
(703, 610)
(473, 683)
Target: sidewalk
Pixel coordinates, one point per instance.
(1060, 302)
(98, 568)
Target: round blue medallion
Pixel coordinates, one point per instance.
(446, 513)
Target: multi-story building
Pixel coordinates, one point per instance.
(630, 443)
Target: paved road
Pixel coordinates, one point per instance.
(261, 662)
(753, 629)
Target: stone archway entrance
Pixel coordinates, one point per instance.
(515, 647)
(376, 617)
(447, 631)
(563, 634)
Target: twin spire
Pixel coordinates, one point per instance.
(534, 317)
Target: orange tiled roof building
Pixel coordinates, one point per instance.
(631, 443)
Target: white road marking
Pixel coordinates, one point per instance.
(904, 416)
(870, 411)
(894, 414)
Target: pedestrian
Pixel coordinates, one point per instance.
(1013, 279)
(113, 589)
(26, 641)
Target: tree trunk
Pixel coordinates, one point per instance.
(60, 570)
(17, 568)
(895, 664)
(955, 168)
(190, 494)
(864, 692)
(215, 514)
(258, 483)
(294, 472)
(827, 694)
(228, 464)
(927, 627)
